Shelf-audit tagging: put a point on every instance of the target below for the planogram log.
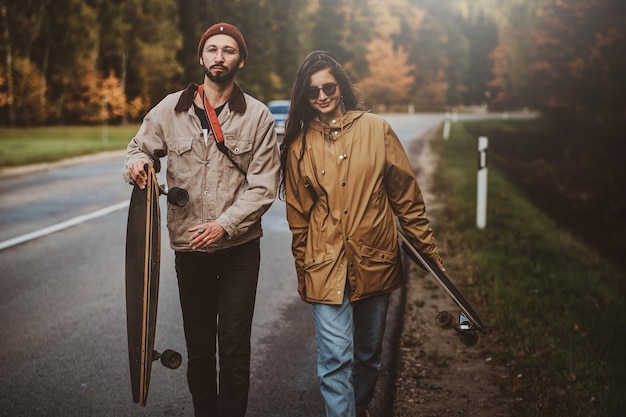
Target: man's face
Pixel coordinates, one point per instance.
(221, 58)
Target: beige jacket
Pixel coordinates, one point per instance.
(217, 190)
(342, 210)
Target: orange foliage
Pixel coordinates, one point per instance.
(29, 86)
(114, 98)
(102, 99)
(391, 77)
(4, 99)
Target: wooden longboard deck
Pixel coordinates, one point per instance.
(442, 279)
(143, 249)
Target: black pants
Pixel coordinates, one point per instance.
(217, 295)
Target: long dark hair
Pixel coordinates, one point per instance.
(301, 112)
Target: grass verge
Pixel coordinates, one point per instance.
(49, 144)
(556, 310)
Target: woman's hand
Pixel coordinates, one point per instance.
(302, 292)
(439, 263)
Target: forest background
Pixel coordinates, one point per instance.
(93, 61)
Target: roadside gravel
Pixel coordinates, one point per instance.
(436, 374)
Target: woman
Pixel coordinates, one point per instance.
(345, 179)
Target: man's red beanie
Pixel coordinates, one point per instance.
(226, 29)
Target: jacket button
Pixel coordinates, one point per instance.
(345, 212)
(343, 184)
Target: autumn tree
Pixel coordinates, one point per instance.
(580, 59)
(564, 58)
(328, 32)
(514, 55)
(103, 100)
(288, 27)
(28, 84)
(391, 77)
(429, 53)
(482, 38)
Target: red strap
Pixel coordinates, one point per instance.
(211, 117)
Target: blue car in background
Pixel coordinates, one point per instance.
(280, 111)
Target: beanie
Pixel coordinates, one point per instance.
(226, 29)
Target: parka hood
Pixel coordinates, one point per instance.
(345, 122)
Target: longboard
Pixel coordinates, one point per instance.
(143, 252)
(468, 321)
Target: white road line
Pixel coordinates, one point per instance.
(63, 225)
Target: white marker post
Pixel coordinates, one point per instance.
(446, 127)
(481, 194)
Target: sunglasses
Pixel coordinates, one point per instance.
(314, 92)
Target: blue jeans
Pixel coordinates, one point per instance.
(217, 296)
(349, 352)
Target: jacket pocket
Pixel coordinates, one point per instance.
(240, 150)
(179, 155)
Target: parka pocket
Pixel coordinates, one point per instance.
(315, 264)
(319, 280)
(375, 260)
(379, 270)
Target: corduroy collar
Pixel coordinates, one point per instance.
(236, 103)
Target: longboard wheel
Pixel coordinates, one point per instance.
(177, 196)
(469, 338)
(171, 359)
(445, 320)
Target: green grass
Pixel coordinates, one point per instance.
(48, 144)
(556, 310)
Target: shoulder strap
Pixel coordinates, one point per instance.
(211, 116)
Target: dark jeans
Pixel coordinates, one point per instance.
(217, 295)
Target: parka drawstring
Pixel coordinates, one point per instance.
(341, 156)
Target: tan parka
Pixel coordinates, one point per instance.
(342, 198)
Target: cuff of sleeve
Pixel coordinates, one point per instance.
(228, 227)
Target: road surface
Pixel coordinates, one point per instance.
(62, 301)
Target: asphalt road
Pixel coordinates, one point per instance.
(62, 302)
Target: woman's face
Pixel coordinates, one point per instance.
(324, 95)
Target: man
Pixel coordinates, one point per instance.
(221, 147)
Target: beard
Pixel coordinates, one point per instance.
(226, 76)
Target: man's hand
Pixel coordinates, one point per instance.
(138, 174)
(205, 234)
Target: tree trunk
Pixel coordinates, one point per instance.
(8, 58)
(123, 76)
